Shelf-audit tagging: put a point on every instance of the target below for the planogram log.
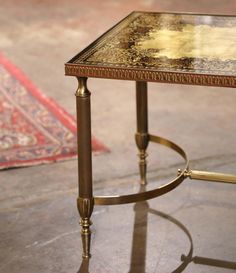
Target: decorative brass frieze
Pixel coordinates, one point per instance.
(152, 76)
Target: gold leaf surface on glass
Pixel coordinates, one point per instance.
(200, 41)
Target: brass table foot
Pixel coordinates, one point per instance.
(143, 167)
(85, 207)
(142, 143)
(86, 237)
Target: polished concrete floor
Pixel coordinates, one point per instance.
(191, 229)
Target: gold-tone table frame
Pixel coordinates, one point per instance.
(86, 200)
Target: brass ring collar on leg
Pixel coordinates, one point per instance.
(137, 197)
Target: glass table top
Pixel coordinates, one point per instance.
(164, 42)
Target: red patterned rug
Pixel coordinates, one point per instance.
(33, 128)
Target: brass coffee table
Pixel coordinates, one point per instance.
(150, 47)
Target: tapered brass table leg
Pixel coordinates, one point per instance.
(85, 200)
(141, 136)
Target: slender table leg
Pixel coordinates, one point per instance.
(85, 200)
(141, 136)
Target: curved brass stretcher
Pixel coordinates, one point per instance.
(182, 175)
(137, 197)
